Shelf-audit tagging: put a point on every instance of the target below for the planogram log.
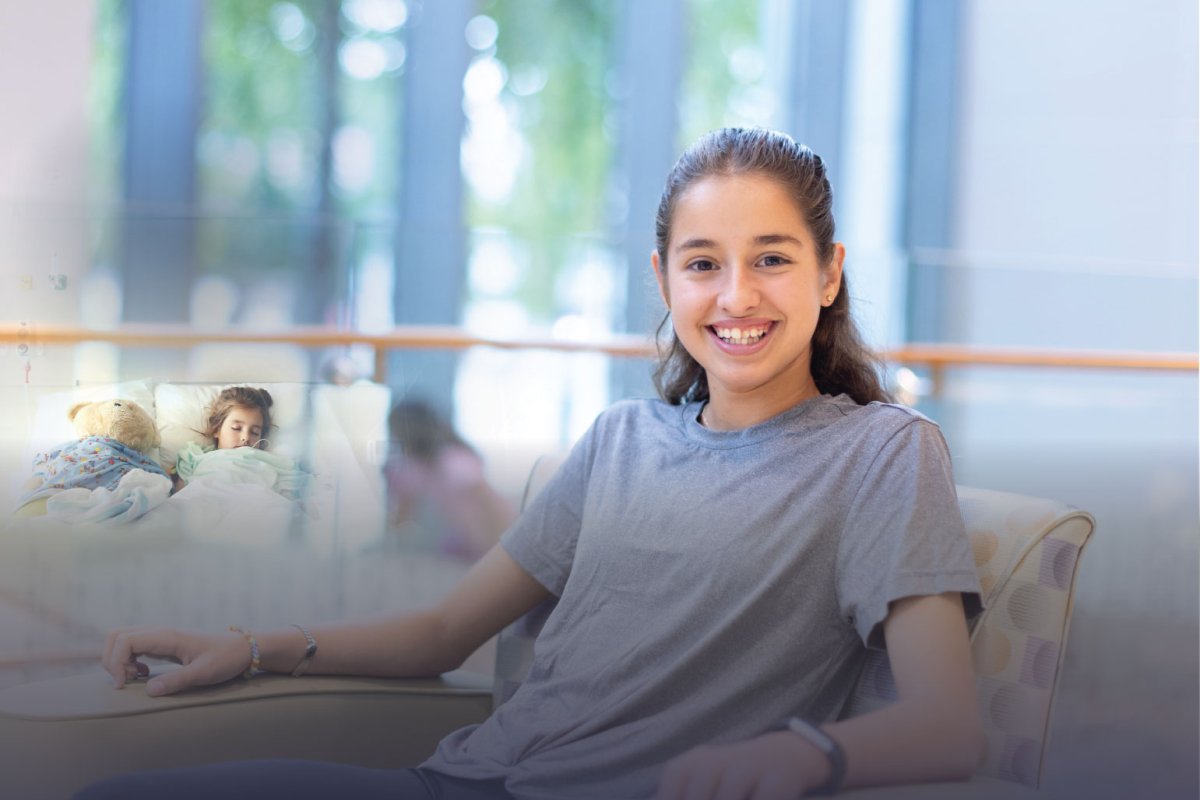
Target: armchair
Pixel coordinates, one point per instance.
(62, 734)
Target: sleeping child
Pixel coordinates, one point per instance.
(235, 425)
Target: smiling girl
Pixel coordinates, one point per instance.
(721, 557)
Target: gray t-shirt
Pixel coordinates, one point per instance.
(712, 584)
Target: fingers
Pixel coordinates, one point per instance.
(736, 782)
(773, 786)
(122, 648)
(171, 682)
(206, 659)
(753, 770)
(216, 659)
(710, 782)
(691, 776)
(136, 670)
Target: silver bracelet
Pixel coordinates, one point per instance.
(831, 750)
(310, 650)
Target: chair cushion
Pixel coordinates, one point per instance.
(1027, 551)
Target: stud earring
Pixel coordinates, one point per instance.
(828, 299)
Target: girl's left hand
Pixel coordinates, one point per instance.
(774, 766)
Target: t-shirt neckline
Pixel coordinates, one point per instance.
(694, 431)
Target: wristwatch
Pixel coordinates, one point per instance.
(310, 650)
(827, 745)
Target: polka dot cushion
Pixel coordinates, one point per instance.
(1026, 550)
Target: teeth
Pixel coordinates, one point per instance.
(740, 336)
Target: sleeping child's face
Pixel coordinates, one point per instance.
(242, 428)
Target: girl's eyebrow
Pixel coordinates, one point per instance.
(777, 238)
(695, 244)
(766, 238)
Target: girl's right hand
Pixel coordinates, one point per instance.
(206, 658)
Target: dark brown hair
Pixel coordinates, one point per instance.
(239, 397)
(840, 361)
(419, 432)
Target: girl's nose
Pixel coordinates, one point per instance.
(740, 293)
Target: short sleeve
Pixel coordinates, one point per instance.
(904, 533)
(542, 540)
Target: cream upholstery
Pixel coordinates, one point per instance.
(62, 734)
(1026, 549)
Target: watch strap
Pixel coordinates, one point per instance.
(310, 650)
(829, 747)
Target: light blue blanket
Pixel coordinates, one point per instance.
(92, 462)
(138, 492)
(243, 465)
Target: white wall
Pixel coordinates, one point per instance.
(1076, 217)
(1079, 135)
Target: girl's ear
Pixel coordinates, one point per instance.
(657, 265)
(833, 271)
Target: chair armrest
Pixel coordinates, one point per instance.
(62, 734)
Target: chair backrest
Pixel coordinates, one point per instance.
(1027, 553)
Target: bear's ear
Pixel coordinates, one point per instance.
(75, 410)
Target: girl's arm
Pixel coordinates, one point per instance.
(493, 593)
(932, 733)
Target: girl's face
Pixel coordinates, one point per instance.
(242, 428)
(745, 288)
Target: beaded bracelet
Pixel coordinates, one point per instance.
(255, 662)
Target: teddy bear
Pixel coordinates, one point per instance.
(115, 437)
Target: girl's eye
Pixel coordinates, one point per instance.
(773, 261)
(702, 265)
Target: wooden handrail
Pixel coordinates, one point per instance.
(403, 337)
(951, 355)
(436, 337)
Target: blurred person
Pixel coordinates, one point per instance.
(436, 488)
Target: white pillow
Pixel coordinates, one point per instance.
(50, 424)
(182, 409)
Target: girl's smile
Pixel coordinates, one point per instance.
(741, 336)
